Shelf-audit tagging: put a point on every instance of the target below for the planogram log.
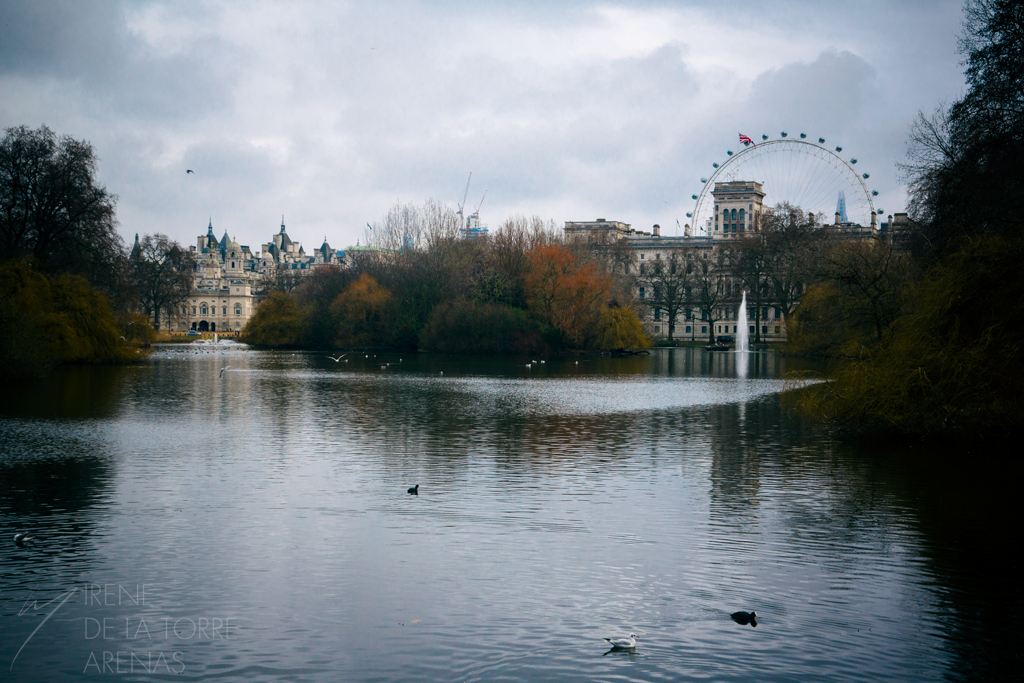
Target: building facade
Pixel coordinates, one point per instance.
(738, 211)
(230, 279)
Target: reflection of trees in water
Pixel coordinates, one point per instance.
(70, 392)
(52, 484)
(961, 499)
(47, 487)
(954, 512)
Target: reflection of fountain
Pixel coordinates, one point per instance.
(742, 336)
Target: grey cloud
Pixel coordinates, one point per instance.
(832, 91)
(86, 47)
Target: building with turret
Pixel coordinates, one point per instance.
(229, 279)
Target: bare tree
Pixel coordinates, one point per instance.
(51, 207)
(162, 274)
(708, 292)
(747, 260)
(871, 278)
(791, 253)
(669, 284)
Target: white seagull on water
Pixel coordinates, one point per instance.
(624, 643)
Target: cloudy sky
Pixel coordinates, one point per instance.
(330, 112)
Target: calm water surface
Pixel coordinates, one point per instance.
(255, 525)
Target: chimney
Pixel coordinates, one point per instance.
(686, 230)
(837, 218)
(657, 230)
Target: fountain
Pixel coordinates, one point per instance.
(742, 336)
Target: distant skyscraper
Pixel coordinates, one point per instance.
(841, 207)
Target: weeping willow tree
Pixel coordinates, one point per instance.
(46, 320)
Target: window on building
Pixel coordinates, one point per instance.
(225, 310)
(642, 268)
(657, 313)
(734, 214)
(764, 329)
(742, 215)
(193, 310)
(238, 309)
(657, 329)
(641, 256)
(703, 329)
(764, 312)
(203, 309)
(778, 313)
(741, 227)
(704, 316)
(232, 264)
(687, 329)
(751, 330)
(641, 289)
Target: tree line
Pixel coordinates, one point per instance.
(70, 291)
(945, 317)
(420, 284)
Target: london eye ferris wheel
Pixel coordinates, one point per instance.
(803, 173)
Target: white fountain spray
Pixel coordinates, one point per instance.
(742, 337)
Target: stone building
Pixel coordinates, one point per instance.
(738, 210)
(230, 278)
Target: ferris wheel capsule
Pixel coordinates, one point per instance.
(764, 137)
(874, 193)
(784, 133)
(703, 180)
(839, 149)
(853, 161)
(715, 165)
(729, 152)
(866, 176)
(821, 141)
(693, 196)
(803, 135)
(880, 211)
(689, 214)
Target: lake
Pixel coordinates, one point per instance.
(254, 524)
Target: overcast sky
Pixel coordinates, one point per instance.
(330, 112)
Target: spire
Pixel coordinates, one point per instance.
(209, 228)
(841, 206)
(282, 223)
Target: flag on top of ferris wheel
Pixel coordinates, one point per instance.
(747, 141)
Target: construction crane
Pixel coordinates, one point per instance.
(477, 209)
(464, 195)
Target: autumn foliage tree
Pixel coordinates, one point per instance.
(361, 310)
(568, 295)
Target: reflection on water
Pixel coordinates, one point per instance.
(255, 524)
